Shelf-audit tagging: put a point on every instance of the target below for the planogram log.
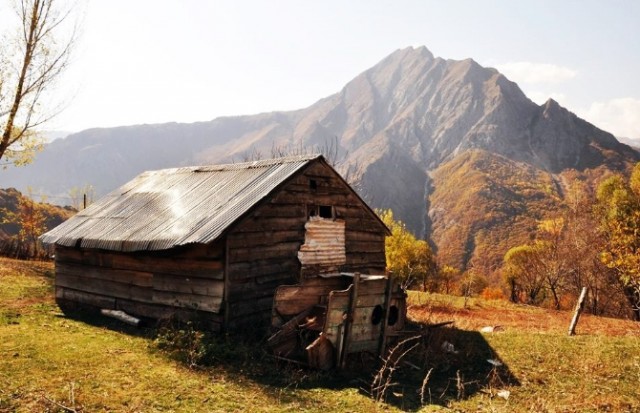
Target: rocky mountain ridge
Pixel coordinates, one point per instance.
(396, 127)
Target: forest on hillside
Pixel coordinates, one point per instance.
(592, 241)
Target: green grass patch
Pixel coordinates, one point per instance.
(49, 362)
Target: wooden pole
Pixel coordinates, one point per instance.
(348, 324)
(576, 314)
(382, 346)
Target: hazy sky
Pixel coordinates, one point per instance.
(155, 61)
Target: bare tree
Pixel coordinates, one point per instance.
(30, 63)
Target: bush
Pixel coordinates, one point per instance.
(492, 293)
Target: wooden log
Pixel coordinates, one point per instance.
(578, 311)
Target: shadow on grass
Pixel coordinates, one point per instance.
(94, 318)
(449, 365)
(457, 364)
(438, 368)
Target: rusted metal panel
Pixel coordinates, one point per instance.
(324, 243)
(163, 209)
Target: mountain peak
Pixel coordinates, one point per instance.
(411, 53)
(550, 104)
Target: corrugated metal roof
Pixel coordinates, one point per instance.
(163, 209)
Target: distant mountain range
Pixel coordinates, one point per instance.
(634, 143)
(457, 150)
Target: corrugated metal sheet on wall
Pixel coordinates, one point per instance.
(324, 243)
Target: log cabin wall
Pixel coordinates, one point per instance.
(263, 248)
(185, 283)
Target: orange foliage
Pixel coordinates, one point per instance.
(492, 293)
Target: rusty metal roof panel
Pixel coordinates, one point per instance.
(162, 209)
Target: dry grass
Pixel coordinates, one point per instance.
(433, 308)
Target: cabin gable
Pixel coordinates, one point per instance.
(264, 248)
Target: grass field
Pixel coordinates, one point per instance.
(49, 362)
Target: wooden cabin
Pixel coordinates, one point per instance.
(216, 241)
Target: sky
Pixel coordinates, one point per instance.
(154, 61)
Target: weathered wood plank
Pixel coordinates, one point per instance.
(139, 278)
(370, 300)
(283, 249)
(82, 297)
(369, 345)
(264, 238)
(275, 279)
(362, 236)
(293, 292)
(364, 246)
(369, 259)
(210, 321)
(190, 301)
(281, 210)
(273, 224)
(204, 267)
(188, 285)
(372, 287)
(103, 287)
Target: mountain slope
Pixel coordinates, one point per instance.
(416, 133)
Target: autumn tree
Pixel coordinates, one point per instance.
(582, 243)
(31, 60)
(30, 218)
(408, 258)
(618, 206)
(523, 272)
(447, 278)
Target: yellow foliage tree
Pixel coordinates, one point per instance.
(408, 258)
(618, 205)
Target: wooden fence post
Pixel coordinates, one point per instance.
(576, 314)
(348, 324)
